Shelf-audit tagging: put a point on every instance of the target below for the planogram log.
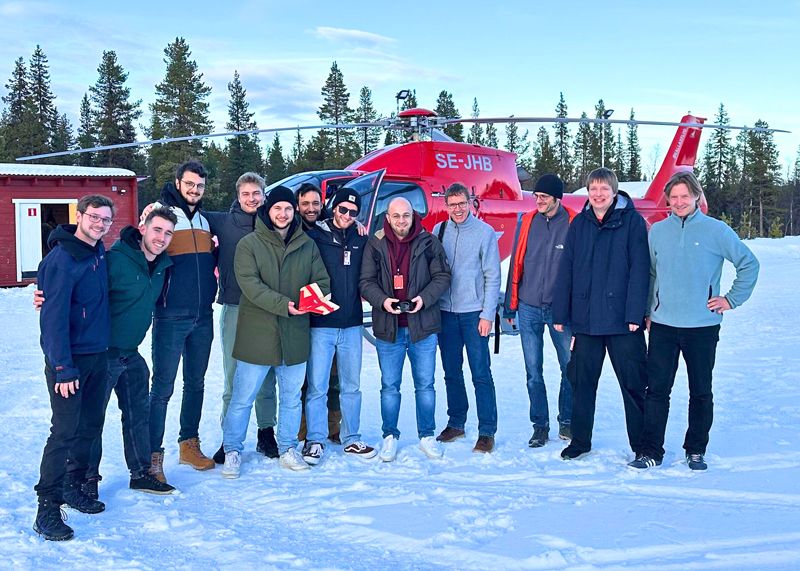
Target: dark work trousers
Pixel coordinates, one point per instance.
(129, 377)
(76, 422)
(699, 348)
(628, 354)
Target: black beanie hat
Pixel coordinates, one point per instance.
(550, 184)
(280, 194)
(346, 195)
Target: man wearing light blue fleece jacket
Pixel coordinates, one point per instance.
(687, 251)
(468, 308)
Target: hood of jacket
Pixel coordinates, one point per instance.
(64, 234)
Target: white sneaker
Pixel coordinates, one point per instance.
(360, 449)
(232, 466)
(389, 449)
(312, 452)
(292, 460)
(430, 447)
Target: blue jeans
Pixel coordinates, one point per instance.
(391, 357)
(246, 384)
(266, 401)
(460, 330)
(346, 343)
(173, 339)
(129, 377)
(531, 329)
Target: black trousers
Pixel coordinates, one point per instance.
(699, 348)
(76, 422)
(628, 354)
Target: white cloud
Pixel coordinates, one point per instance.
(352, 36)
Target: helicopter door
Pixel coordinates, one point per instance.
(366, 186)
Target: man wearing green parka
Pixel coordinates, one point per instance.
(271, 265)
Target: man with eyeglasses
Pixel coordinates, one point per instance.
(468, 309)
(403, 275)
(183, 327)
(531, 283)
(75, 331)
(338, 333)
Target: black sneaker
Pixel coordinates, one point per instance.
(148, 484)
(572, 453)
(266, 443)
(50, 521)
(89, 487)
(540, 435)
(77, 500)
(643, 462)
(219, 455)
(696, 462)
(312, 452)
(565, 432)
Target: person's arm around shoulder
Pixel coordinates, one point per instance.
(639, 273)
(245, 267)
(562, 296)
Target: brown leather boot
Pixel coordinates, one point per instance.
(334, 426)
(157, 467)
(193, 456)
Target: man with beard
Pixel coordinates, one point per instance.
(403, 275)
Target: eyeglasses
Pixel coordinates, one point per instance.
(344, 210)
(95, 219)
(190, 185)
(457, 205)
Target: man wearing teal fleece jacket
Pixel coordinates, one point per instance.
(687, 251)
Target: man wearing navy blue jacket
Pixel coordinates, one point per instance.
(75, 330)
(601, 292)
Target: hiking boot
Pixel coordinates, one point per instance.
(89, 487)
(266, 443)
(450, 434)
(157, 466)
(541, 435)
(485, 444)
(430, 446)
(572, 453)
(565, 432)
(312, 452)
(149, 484)
(389, 449)
(77, 500)
(191, 454)
(292, 460)
(233, 463)
(643, 462)
(334, 426)
(219, 455)
(696, 462)
(50, 521)
(360, 449)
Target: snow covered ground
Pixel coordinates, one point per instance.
(518, 508)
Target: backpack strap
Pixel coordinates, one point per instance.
(440, 233)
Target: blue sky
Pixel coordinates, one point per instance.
(662, 59)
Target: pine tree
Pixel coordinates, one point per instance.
(63, 140)
(319, 152)
(620, 158)
(113, 113)
(335, 109)
(180, 109)
(519, 144)
(717, 155)
(277, 163)
(19, 117)
(214, 160)
(87, 135)
(762, 172)
(491, 136)
(445, 107)
(243, 152)
(583, 151)
(475, 136)
(368, 137)
(603, 137)
(42, 99)
(297, 155)
(561, 143)
(545, 160)
(634, 152)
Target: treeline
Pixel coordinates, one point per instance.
(742, 176)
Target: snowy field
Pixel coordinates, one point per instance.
(518, 508)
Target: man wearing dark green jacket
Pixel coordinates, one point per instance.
(271, 266)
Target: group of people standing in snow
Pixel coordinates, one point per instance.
(589, 276)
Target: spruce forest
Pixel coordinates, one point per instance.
(740, 170)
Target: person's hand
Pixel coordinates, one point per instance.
(633, 327)
(417, 301)
(294, 311)
(484, 327)
(387, 305)
(362, 230)
(572, 343)
(145, 211)
(67, 388)
(558, 327)
(647, 323)
(38, 299)
(718, 304)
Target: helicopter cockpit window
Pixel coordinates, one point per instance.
(390, 190)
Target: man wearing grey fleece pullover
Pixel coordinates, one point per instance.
(468, 308)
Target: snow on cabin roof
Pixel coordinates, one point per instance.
(16, 169)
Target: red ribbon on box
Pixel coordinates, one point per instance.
(313, 301)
